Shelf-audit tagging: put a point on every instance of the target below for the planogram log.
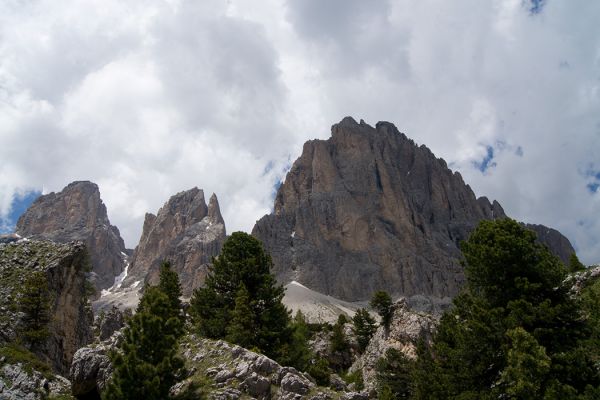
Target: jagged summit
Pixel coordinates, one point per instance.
(368, 209)
(78, 213)
(186, 232)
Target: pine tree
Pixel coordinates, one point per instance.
(393, 375)
(364, 328)
(241, 329)
(169, 285)
(574, 264)
(243, 261)
(146, 364)
(515, 321)
(297, 353)
(382, 303)
(34, 303)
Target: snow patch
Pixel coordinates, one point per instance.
(298, 284)
(293, 234)
(135, 284)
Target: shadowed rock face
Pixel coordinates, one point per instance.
(78, 213)
(186, 232)
(65, 266)
(370, 210)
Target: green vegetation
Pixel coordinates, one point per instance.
(394, 376)
(146, 364)
(382, 303)
(34, 303)
(242, 272)
(515, 332)
(575, 265)
(364, 328)
(13, 353)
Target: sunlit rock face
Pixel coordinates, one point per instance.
(185, 231)
(78, 213)
(370, 210)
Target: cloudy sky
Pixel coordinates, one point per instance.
(148, 98)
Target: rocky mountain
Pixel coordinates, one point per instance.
(370, 210)
(78, 213)
(65, 267)
(186, 232)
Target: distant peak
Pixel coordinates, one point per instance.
(214, 211)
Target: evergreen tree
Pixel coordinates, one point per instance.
(364, 328)
(241, 329)
(382, 303)
(243, 261)
(574, 264)
(169, 285)
(515, 321)
(34, 303)
(146, 364)
(338, 338)
(393, 374)
(298, 353)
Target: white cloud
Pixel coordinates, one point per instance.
(148, 98)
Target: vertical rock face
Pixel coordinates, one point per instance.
(78, 213)
(370, 210)
(65, 266)
(186, 232)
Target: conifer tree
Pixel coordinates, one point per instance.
(364, 328)
(574, 264)
(146, 364)
(241, 329)
(169, 285)
(515, 321)
(34, 303)
(394, 376)
(382, 303)
(243, 261)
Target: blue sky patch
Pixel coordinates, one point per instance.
(593, 176)
(19, 205)
(535, 6)
(487, 162)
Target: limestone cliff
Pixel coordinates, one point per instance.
(65, 266)
(78, 213)
(186, 232)
(370, 210)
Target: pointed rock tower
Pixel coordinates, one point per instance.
(186, 232)
(78, 213)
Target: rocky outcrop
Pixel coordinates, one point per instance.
(406, 328)
(91, 369)
(78, 213)
(65, 266)
(227, 372)
(370, 210)
(186, 232)
(18, 382)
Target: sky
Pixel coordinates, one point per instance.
(148, 98)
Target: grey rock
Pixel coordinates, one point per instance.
(406, 329)
(337, 383)
(16, 383)
(78, 213)
(64, 266)
(295, 383)
(370, 210)
(91, 369)
(186, 232)
(356, 396)
(257, 386)
(110, 322)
